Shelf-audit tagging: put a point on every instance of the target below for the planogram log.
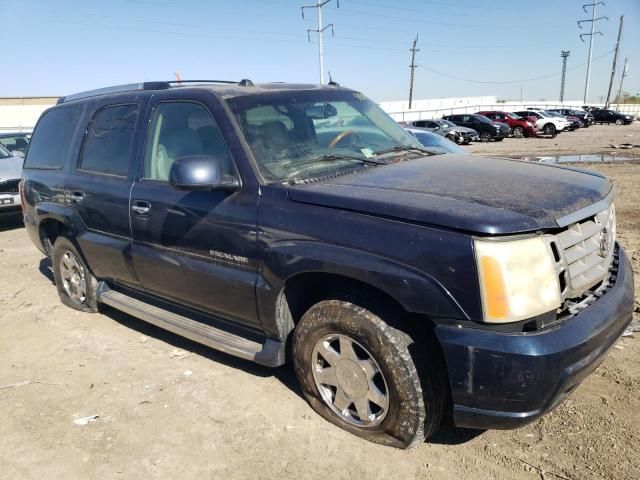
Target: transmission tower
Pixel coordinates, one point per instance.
(564, 54)
(593, 21)
(413, 69)
(320, 30)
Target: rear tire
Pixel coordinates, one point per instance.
(619, 122)
(76, 286)
(349, 360)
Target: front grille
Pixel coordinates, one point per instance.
(10, 186)
(585, 252)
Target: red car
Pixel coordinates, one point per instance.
(519, 126)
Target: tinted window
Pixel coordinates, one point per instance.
(107, 148)
(182, 129)
(52, 138)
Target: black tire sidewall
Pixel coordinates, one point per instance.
(61, 245)
(404, 423)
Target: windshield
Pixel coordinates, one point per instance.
(483, 119)
(4, 153)
(303, 134)
(514, 116)
(437, 143)
(446, 123)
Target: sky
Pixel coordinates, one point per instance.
(467, 47)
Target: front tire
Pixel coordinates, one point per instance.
(360, 374)
(549, 129)
(517, 132)
(76, 286)
(485, 137)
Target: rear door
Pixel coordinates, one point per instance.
(196, 248)
(98, 189)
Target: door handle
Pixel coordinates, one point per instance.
(76, 197)
(141, 207)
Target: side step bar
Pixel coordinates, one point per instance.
(271, 353)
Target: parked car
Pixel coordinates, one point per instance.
(546, 123)
(455, 133)
(487, 129)
(436, 143)
(520, 127)
(586, 118)
(408, 284)
(611, 116)
(15, 142)
(574, 122)
(10, 170)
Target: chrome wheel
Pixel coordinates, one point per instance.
(350, 380)
(74, 279)
(518, 132)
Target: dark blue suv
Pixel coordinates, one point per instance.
(283, 222)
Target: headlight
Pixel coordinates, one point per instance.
(518, 279)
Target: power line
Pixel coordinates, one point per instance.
(320, 30)
(510, 82)
(593, 21)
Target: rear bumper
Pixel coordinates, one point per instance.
(506, 380)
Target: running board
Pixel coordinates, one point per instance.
(271, 353)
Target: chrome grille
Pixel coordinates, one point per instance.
(586, 252)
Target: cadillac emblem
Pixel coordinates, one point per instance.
(604, 243)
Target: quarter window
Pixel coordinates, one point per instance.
(109, 141)
(182, 129)
(52, 138)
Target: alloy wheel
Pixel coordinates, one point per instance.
(350, 380)
(74, 279)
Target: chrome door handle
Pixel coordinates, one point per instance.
(141, 208)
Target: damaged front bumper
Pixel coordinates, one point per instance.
(506, 380)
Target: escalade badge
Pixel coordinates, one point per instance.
(604, 243)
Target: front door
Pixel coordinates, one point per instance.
(196, 248)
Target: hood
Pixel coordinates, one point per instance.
(475, 194)
(10, 168)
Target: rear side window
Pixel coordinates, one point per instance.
(52, 138)
(107, 147)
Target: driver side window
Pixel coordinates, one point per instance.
(182, 129)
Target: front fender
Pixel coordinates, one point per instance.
(416, 291)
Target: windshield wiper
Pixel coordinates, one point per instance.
(332, 157)
(405, 148)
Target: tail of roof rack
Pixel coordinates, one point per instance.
(131, 87)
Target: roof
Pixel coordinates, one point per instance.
(224, 88)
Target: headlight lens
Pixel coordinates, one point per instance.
(518, 279)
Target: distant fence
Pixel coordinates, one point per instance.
(412, 115)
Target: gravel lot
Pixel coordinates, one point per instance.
(168, 408)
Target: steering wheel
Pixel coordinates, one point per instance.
(339, 137)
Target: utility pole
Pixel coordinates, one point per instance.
(413, 68)
(615, 59)
(564, 54)
(590, 35)
(624, 74)
(320, 30)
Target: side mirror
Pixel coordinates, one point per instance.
(200, 172)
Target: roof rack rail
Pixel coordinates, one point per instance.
(130, 87)
(245, 82)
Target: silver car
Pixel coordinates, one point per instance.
(10, 172)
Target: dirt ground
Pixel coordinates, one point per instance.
(595, 139)
(168, 408)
